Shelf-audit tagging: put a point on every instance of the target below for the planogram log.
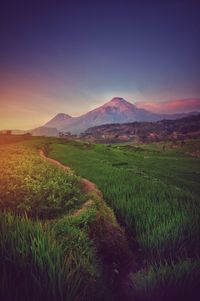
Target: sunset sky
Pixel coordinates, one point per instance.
(72, 56)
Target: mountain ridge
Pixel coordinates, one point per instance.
(117, 110)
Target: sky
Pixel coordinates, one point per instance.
(72, 56)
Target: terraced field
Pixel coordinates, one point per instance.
(60, 241)
(155, 193)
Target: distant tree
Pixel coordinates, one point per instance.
(8, 132)
(182, 143)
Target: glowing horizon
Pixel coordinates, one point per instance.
(72, 62)
(23, 118)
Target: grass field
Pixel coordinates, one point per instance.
(46, 251)
(55, 254)
(155, 193)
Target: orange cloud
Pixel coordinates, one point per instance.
(172, 106)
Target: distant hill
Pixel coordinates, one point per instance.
(184, 128)
(14, 131)
(58, 121)
(117, 110)
(44, 131)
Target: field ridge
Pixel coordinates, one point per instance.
(120, 283)
(86, 185)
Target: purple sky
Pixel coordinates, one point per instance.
(71, 56)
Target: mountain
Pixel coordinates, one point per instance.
(44, 131)
(58, 121)
(163, 130)
(117, 110)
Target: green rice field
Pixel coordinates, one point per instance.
(141, 244)
(155, 194)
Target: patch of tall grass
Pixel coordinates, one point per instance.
(177, 281)
(35, 265)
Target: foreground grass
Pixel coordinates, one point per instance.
(177, 281)
(36, 265)
(55, 255)
(39, 259)
(46, 250)
(156, 195)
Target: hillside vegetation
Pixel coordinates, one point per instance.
(146, 132)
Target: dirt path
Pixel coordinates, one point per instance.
(55, 162)
(86, 185)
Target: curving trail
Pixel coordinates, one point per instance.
(117, 281)
(86, 185)
(55, 162)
